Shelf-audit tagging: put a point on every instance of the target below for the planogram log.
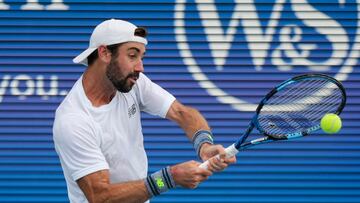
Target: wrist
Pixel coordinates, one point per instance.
(202, 148)
(200, 138)
(160, 182)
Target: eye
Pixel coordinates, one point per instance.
(132, 55)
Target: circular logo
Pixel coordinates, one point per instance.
(239, 45)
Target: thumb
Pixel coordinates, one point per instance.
(222, 154)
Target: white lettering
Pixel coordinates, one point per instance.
(319, 21)
(3, 85)
(57, 5)
(34, 5)
(52, 91)
(220, 41)
(16, 90)
(4, 6)
(24, 85)
(241, 104)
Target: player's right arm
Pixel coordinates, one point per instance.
(97, 187)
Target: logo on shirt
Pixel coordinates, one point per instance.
(132, 110)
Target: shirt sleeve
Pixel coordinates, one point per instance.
(153, 99)
(78, 146)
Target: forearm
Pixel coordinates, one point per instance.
(132, 192)
(97, 188)
(198, 131)
(193, 121)
(189, 119)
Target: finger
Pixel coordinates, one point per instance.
(215, 168)
(217, 149)
(220, 150)
(196, 180)
(230, 160)
(222, 154)
(217, 165)
(204, 178)
(220, 167)
(194, 185)
(201, 178)
(195, 163)
(203, 172)
(212, 168)
(220, 161)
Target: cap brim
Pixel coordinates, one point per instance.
(82, 58)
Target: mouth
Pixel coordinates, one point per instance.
(134, 77)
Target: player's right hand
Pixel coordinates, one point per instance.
(189, 175)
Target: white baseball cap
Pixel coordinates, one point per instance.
(109, 32)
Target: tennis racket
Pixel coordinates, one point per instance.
(292, 109)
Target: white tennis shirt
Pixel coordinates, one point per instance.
(88, 139)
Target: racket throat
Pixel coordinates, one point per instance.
(245, 135)
(258, 141)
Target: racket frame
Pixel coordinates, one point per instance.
(240, 144)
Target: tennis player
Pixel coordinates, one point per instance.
(97, 128)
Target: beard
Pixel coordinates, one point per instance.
(118, 79)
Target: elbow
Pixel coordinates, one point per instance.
(185, 116)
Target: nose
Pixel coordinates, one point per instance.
(139, 67)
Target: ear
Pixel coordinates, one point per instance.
(104, 54)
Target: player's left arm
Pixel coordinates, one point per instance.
(191, 121)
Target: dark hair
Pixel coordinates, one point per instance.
(140, 31)
(94, 55)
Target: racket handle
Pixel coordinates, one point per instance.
(230, 152)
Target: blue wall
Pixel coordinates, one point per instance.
(261, 43)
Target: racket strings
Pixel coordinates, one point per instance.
(299, 106)
(290, 95)
(301, 90)
(298, 95)
(328, 104)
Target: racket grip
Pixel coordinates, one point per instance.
(230, 152)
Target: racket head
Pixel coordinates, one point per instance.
(295, 107)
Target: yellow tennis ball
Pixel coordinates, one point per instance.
(330, 123)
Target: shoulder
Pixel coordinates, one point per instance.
(73, 126)
(144, 78)
(143, 81)
(143, 84)
(75, 100)
(75, 119)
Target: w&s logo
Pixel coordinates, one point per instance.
(229, 45)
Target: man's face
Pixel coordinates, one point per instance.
(124, 68)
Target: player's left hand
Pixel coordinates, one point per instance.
(209, 151)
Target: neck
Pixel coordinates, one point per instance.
(98, 89)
